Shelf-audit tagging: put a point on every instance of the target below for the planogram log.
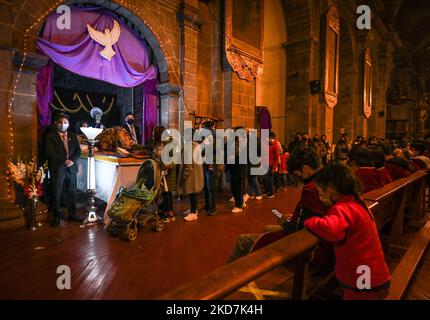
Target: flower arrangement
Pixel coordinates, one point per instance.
(28, 176)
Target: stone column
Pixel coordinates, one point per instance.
(239, 101)
(360, 123)
(190, 24)
(170, 111)
(24, 107)
(302, 112)
(385, 62)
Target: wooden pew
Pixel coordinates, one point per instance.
(405, 270)
(298, 248)
(235, 275)
(392, 200)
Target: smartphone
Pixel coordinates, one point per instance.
(277, 213)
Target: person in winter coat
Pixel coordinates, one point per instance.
(349, 224)
(283, 169)
(237, 171)
(190, 178)
(274, 159)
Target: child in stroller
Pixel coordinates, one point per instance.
(138, 205)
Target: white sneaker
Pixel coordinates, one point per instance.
(186, 212)
(236, 210)
(258, 197)
(245, 197)
(191, 217)
(231, 199)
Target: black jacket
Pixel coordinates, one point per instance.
(138, 134)
(56, 153)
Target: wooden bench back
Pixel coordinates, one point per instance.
(298, 246)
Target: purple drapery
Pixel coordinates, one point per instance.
(265, 119)
(150, 110)
(44, 91)
(76, 51)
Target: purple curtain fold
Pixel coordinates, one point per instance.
(44, 93)
(265, 119)
(149, 118)
(76, 51)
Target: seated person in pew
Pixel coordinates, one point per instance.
(419, 160)
(364, 169)
(304, 163)
(397, 165)
(350, 225)
(379, 162)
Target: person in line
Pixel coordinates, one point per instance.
(254, 190)
(169, 179)
(190, 178)
(274, 158)
(283, 169)
(237, 172)
(210, 171)
(304, 163)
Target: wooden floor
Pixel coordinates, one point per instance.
(419, 289)
(103, 267)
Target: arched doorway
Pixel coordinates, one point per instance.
(119, 72)
(136, 24)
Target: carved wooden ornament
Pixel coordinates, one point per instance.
(331, 71)
(246, 59)
(367, 84)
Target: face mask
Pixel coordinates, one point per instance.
(62, 127)
(130, 121)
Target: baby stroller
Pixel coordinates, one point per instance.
(138, 205)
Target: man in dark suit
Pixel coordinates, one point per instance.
(132, 129)
(62, 151)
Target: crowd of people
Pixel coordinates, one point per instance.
(330, 205)
(375, 162)
(199, 176)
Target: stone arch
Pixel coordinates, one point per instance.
(142, 21)
(345, 112)
(140, 18)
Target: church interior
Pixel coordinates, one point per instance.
(90, 89)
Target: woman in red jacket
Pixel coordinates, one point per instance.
(349, 224)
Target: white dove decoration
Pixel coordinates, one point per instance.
(106, 39)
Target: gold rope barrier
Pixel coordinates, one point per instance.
(81, 104)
